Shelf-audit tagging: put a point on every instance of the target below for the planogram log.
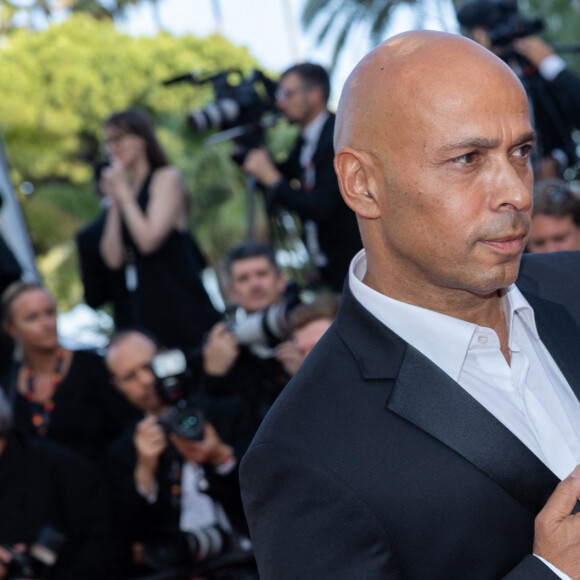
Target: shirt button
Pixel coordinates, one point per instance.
(482, 339)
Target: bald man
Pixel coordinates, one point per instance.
(425, 432)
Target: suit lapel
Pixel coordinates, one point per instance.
(428, 398)
(431, 400)
(326, 135)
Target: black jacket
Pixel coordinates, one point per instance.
(337, 227)
(373, 463)
(43, 484)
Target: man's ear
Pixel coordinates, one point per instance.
(355, 181)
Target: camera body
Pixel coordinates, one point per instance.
(39, 558)
(169, 547)
(513, 27)
(500, 18)
(239, 107)
(261, 331)
(209, 552)
(186, 416)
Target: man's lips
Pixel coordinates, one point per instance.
(508, 244)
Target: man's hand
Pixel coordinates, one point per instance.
(150, 442)
(289, 356)
(5, 558)
(211, 449)
(259, 164)
(220, 350)
(557, 533)
(533, 48)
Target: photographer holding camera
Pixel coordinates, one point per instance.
(55, 520)
(552, 89)
(237, 359)
(306, 182)
(168, 485)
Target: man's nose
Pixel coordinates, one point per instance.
(513, 188)
(146, 377)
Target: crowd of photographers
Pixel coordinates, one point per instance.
(124, 463)
(154, 428)
(140, 445)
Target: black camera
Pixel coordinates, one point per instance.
(170, 547)
(239, 103)
(209, 552)
(39, 558)
(500, 18)
(185, 416)
(239, 109)
(261, 331)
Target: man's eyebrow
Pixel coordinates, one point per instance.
(485, 142)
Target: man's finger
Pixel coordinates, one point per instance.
(565, 497)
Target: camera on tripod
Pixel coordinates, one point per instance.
(500, 18)
(174, 384)
(239, 110)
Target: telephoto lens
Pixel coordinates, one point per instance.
(171, 548)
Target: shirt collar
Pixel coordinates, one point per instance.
(311, 133)
(443, 339)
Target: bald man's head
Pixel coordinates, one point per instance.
(432, 144)
(405, 74)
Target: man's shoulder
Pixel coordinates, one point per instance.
(325, 384)
(550, 269)
(554, 277)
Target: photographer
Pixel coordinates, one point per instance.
(166, 482)
(306, 183)
(42, 485)
(555, 218)
(231, 368)
(553, 90)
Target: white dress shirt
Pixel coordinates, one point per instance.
(311, 135)
(530, 397)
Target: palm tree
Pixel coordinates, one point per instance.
(341, 15)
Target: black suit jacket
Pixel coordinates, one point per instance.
(375, 464)
(555, 111)
(338, 233)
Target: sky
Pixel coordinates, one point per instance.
(271, 30)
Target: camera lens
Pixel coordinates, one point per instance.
(187, 422)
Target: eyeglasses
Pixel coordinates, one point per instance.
(284, 95)
(113, 139)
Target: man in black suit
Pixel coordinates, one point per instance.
(306, 182)
(169, 481)
(425, 432)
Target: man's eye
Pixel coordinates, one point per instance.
(467, 159)
(523, 151)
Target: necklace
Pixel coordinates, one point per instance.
(40, 412)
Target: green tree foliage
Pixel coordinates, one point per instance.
(561, 25)
(59, 84)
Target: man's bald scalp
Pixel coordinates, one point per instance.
(392, 77)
